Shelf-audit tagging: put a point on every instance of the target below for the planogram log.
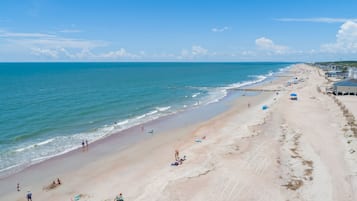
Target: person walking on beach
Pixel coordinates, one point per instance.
(177, 155)
(29, 196)
(87, 144)
(18, 187)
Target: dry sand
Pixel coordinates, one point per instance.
(294, 150)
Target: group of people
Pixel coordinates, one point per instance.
(84, 144)
(28, 195)
(178, 160)
(55, 183)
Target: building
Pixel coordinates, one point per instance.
(337, 74)
(345, 87)
(352, 73)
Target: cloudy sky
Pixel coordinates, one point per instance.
(178, 30)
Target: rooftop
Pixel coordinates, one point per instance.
(351, 82)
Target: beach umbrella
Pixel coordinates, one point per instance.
(264, 107)
(293, 94)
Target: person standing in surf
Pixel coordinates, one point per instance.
(29, 196)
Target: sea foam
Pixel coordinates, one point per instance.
(31, 150)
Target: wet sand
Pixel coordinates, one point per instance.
(294, 150)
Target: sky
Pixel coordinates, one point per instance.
(178, 30)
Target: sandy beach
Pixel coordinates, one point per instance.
(301, 149)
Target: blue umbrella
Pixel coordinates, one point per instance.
(293, 94)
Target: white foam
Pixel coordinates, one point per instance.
(216, 94)
(10, 167)
(122, 122)
(34, 145)
(63, 144)
(45, 142)
(195, 95)
(151, 112)
(162, 109)
(141, 116)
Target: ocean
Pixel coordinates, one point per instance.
(47, 109)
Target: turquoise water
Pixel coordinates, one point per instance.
(49, 108)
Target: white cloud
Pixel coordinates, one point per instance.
(198, 50)
(121, 53)
(220, 29)
(44, 52)
(82, 54)
(248, 53)
(267, 44)
(346, 39)
(185, 53)
(70, 31)
(67, 53)
(47, 41)
(318, 19)
(58, 42)
(63, 48)
(63, 53)
(6, 34)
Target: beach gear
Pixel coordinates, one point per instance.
(175, 164)
(77, 197)
(264, 107)
(293, 96)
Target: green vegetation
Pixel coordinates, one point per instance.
(341, 65)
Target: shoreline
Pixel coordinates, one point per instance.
(151, 123)
(75, 158)
(294, 150)
(130, 137)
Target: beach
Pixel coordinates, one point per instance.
(292, 150)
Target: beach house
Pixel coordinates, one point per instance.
(337, 74)
(345, 87)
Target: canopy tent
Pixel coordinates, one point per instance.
(293, 96)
